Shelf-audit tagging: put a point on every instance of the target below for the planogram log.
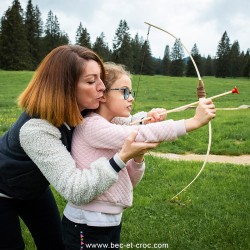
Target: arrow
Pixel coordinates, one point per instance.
(233, 91)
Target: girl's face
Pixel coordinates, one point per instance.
(118, 101)
(90, 87)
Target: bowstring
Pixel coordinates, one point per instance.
(141, 66)
(140, 76)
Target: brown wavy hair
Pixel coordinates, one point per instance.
(113, 72)
(51, 94)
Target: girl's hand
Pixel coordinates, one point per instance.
(205, 111)
(132, 149)
(155, 115)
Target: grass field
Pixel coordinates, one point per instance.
(215, 210)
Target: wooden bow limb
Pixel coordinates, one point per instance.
(234, 90)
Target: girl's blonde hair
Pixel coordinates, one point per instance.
(113, 73)
(51, 94)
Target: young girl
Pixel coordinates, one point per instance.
(99, 221)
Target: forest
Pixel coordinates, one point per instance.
(25, 40)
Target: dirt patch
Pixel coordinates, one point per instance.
(240, 160)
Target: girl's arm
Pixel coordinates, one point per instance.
(131, 118)
(101, 134)
(154, 114)
(205, 111)
(105, 135)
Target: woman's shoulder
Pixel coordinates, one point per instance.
(39, 135)
(36, 126)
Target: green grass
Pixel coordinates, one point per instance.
(215, 214)
(12, 83)
(216, 211)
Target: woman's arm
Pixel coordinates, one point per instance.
(41, 141)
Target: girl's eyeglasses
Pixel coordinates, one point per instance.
(126, 92)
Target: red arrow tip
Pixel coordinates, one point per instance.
(235, 90)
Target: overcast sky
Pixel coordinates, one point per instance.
(193, 21)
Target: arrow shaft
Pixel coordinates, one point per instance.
(180, 108)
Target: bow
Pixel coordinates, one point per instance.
(200, 93)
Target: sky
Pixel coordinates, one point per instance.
(200, 22)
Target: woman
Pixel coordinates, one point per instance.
(35, 151)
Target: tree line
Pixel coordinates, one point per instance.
(25, 40)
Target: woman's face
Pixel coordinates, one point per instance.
(90, 87)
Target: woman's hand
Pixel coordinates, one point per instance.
(139, 158)
(205, 111)
(156, 116)
(132, 149)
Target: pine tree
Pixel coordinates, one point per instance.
(122, 46)
(223, 57)
(33, 25)
(197, 58)
(102, 48)
(165, 68)
(209, 68)
(15, 54)
(83, 37)
(137, 53)
(177, 64)
(246, 64)
(148, 64)
(157, 64)
(0, 41)
(54, 37)
(235, 60)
